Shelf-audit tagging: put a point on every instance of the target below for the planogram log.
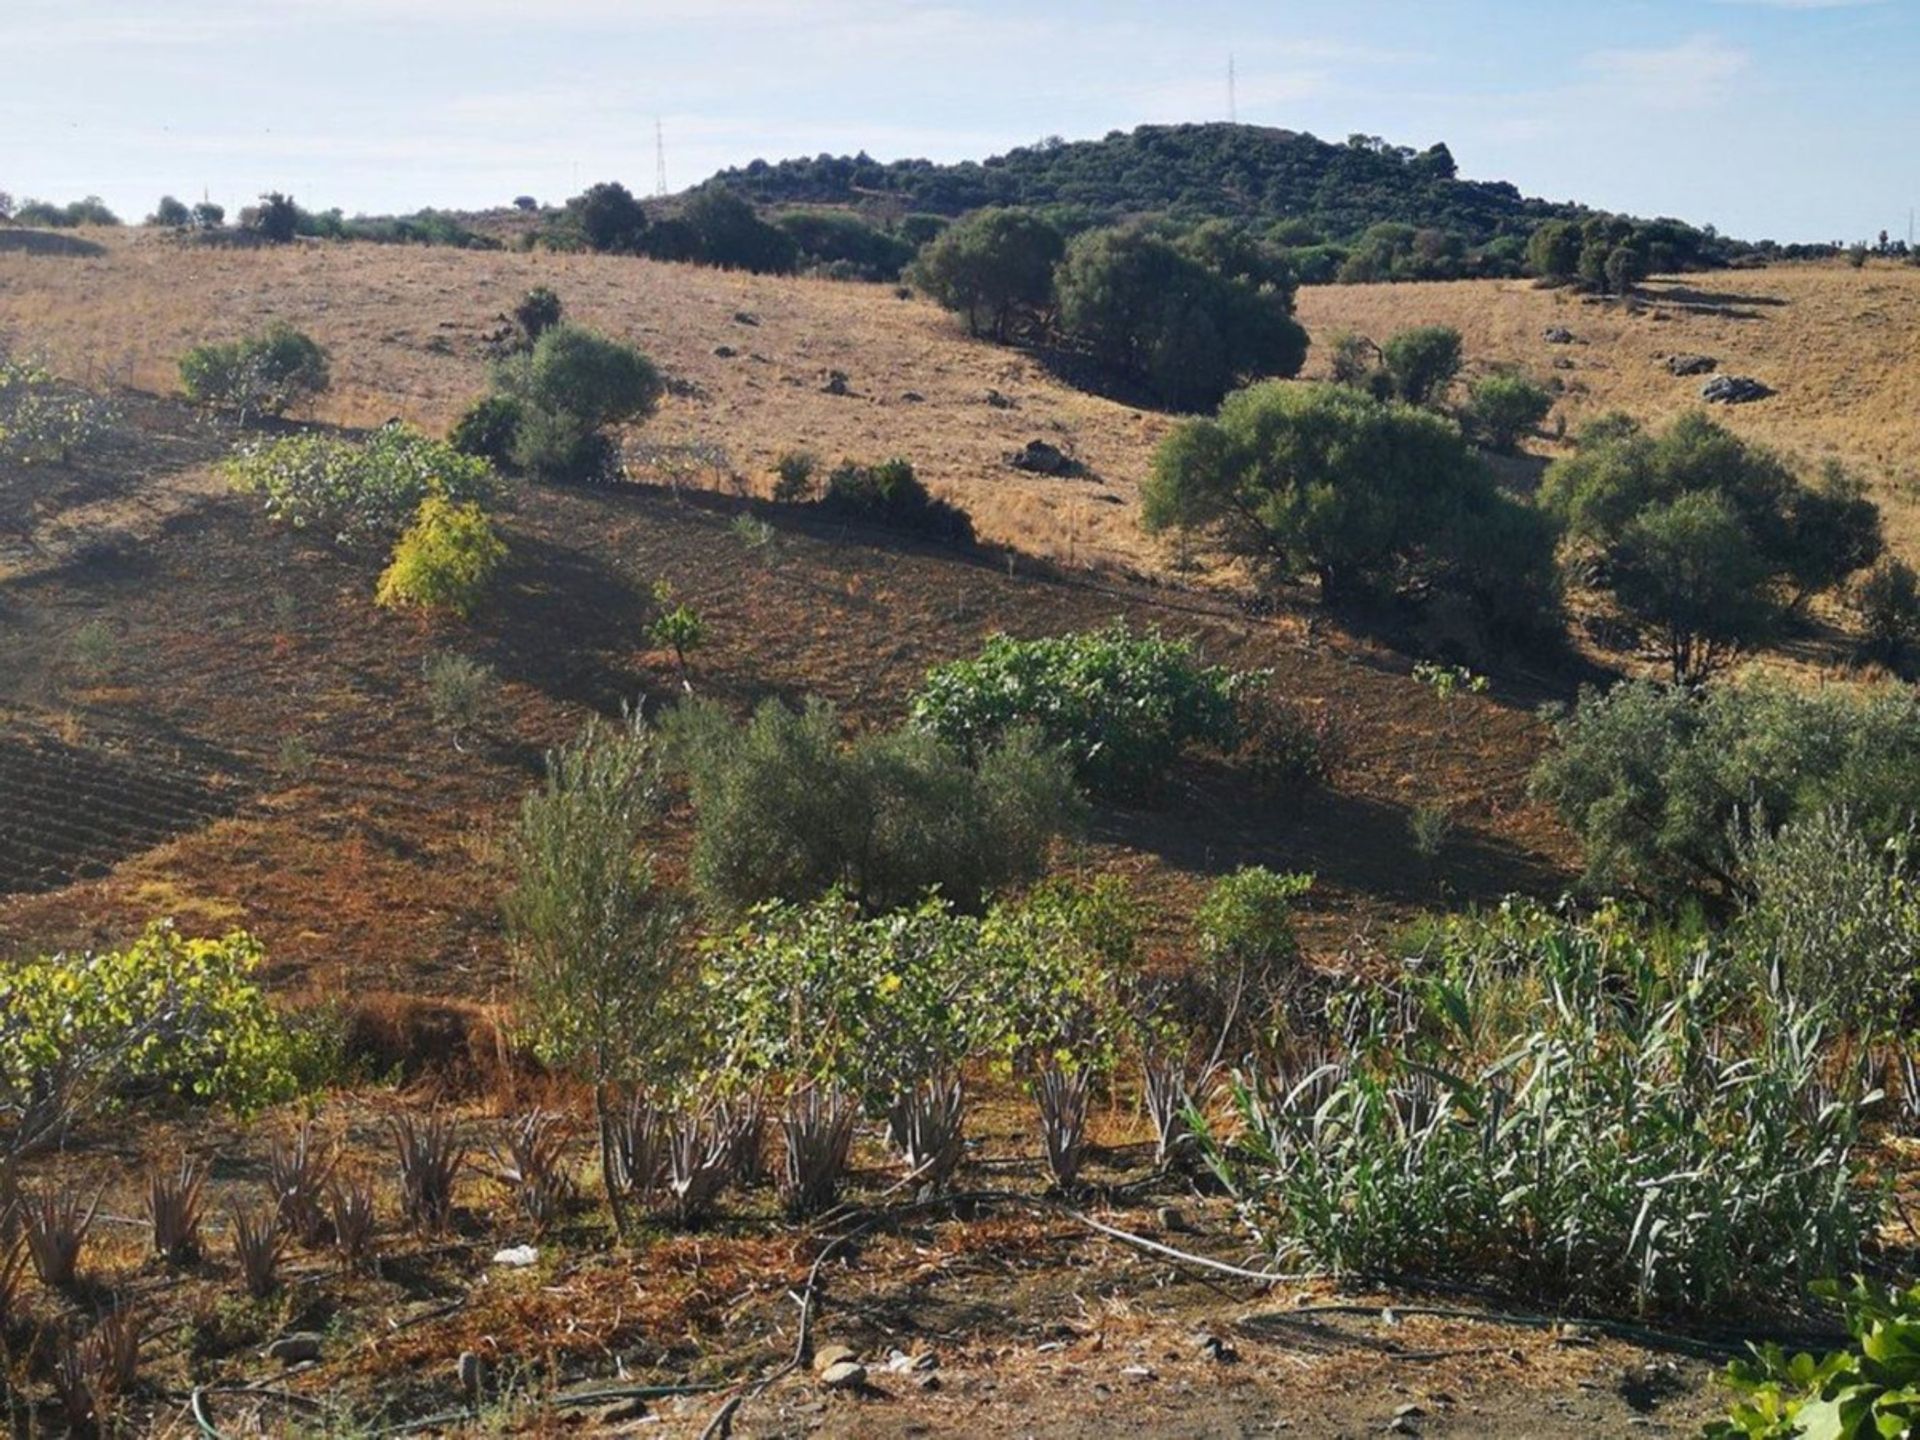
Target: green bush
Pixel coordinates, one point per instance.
(890, 494)
(836, 239)
(995, 267)
(785, 810)
(1653, 779)
(1502, 408)
(489, 429)
(445, 560)
(1364, 495)
(601, 381)
(793, 473)
(43, 422)
(1422, 362)
(82, 1031)
(1887, 599)
(1867, 1392)
(265, 374)
(275, 219)
(568, 389)
(1553, 251)
(609, 218)
(820, 993)
(597, 946)
(171, 213)
(562, 447)
(461, 691)
(1591, 1114)
(1704, 537)
(358, 492)
(1833, 915)
(1122, 706)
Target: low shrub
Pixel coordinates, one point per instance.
(460, 691)
(560, 447)
(82, 1031)
(552, 405)
(1122, 705)
(1833, 916)
(265, 374)
(489, 429)
(1579, 1109)
(795, 477)
(444, 561)
(1422, 362)
(890, 494)
(1887, 600)
(785, 810)
(358, 491)
(1653, 780)
(43, 422)
(1502, 408)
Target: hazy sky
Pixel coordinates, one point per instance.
(1791, 119)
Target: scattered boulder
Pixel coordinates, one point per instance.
(912, 397)
(846, 1375)
(725, 352)
(517, 1256)
(296, 1349)
(1733, 390)
(836, 384)
(1040, 458)
(1691, 364)
(828, 1356)
(745, 317)
(999, 401)
(1558, 335)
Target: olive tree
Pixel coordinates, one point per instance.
(1422, 362)
(1144, 307)
(992, 267)
(596, 944)
(1325, 480)
(1704, 538)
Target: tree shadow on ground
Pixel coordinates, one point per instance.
(1349, 842)
(570, 627)
(1681, 294)
(48, 242)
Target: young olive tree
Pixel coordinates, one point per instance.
(596, 944)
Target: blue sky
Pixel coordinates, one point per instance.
(1791, 119)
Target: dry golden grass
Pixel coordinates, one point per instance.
(406, 328)
(1840, 346)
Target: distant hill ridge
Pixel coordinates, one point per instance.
(1241, 172)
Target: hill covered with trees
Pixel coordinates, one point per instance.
(1240, 172)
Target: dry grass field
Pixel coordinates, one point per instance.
(204, 716)
(1840, 347)
(407, 327)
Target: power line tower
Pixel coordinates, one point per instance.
(1233, 103)
(659, 158)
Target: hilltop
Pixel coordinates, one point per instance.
(1240, 172)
